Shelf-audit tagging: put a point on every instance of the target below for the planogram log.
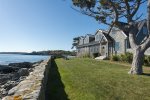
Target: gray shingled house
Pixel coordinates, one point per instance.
(103, 44)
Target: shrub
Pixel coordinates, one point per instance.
(85, 55)
(147, 60)
(123, 58)
(115, 58)
(129, 57)
(108, 58)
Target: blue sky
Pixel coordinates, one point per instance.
(34, 25)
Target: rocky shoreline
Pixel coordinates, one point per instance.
(12, 74)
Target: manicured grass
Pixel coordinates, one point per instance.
(87, 79)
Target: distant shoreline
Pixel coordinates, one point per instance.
(57, 53)
(6, 58)
(23, 53)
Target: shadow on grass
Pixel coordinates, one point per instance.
(146, 74)
(55, 87)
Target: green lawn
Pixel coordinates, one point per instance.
(87, 79)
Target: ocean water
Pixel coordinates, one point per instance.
(5, 59)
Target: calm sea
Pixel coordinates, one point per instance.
(5, 59)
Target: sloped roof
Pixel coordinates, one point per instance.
(82, 36)
(101, 30)
(89, 44)
(90, 35)
(139, 24)
(108, 37)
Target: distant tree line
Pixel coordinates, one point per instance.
(58, 53)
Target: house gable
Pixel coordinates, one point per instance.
(89, 38)
(86, 39)
(120, 40)
(99, 36)
(116, 33)
(81, 40)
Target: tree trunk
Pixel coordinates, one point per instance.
(138, 59)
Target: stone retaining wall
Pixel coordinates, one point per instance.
(33, 87)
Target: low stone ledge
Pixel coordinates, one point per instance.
(33, 87)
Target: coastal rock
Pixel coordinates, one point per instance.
(4, 92)
(6, 69)
(8, 98)
(9, 85)
(22, 78)
(21, 65)
(4, 88)
(23, 72)
(30, 88)
(32, 96)
(30, 69)
(15, 77)
(12, 91)
(11, 75)
(5, 77)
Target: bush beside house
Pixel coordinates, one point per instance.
(147, 61)
(85, 55)
(128, 57)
